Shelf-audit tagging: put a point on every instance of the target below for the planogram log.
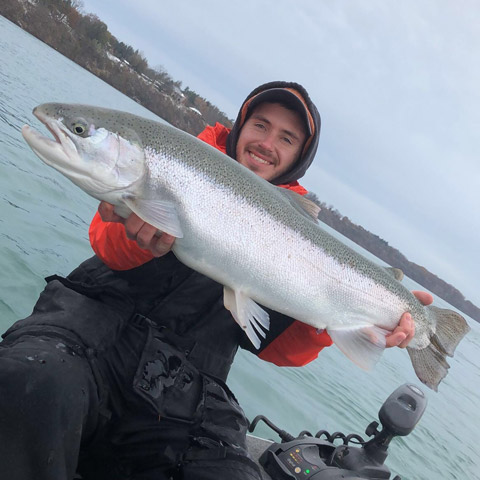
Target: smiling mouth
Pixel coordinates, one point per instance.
(259, 160)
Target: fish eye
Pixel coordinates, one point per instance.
(79, 128)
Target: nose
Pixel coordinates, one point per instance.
(267, 142)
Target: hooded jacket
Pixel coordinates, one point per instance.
(294, 96)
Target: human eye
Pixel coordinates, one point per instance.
(287, 140)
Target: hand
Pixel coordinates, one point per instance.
(136, 229)
(404, 332)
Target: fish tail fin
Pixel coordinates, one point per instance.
(430, 363)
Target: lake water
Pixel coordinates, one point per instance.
(43, 230)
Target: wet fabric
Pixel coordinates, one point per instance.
(48, 402)
(173, 419)
(89, 377)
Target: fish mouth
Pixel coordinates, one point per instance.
(54, 132)
(57, 152)
(44, 120)
(54, 126)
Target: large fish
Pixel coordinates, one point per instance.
(262, 242)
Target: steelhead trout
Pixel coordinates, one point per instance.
(262, 242)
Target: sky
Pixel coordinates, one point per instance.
(397, 87)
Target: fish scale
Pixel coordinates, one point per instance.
(258, 240)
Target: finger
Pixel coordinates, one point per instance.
(395, 339)
(162, 245)
(107, 213)
(145, 235)
(424, 297)
(403, 333)
(408, 327)
(133, 224)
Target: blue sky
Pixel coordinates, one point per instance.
(397, 86)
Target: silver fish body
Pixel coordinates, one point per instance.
(258, 240)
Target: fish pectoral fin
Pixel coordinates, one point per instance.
(363, 345)
(159, 213)
(248, 314)
(122, 210)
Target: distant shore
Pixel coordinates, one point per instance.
(86, 40)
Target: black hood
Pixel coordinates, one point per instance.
(295, 96)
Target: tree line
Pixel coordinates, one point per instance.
(86, 40)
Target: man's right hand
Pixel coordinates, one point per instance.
(136, 229)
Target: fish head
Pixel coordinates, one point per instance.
(92, 147)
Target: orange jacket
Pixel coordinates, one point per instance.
(297, 345)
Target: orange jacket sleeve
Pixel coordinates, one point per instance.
(215, 136)
(110, 243)
(298, 345)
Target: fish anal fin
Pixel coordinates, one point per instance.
(159, 213)
(363, 345)
(248, 314)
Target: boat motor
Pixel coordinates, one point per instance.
(318, 457)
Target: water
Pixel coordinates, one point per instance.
(43, 230)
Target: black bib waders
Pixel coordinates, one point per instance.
(120, 375)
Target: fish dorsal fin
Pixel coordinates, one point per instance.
(303, 205)
(396, 273)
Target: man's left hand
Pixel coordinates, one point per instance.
(404, 332)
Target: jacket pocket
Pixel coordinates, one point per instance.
(167, 381)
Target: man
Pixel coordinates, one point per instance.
(122, 365)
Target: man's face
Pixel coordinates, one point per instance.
(271, 140)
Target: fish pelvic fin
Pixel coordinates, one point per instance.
(248, 314)
(363, 345)
(430, 363)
